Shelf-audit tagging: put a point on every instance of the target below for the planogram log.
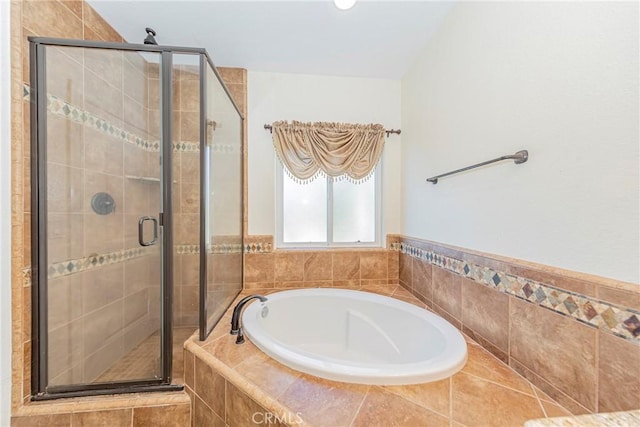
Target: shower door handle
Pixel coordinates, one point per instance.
(141, 222)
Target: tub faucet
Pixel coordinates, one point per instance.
(236, 327)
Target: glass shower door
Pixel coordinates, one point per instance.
(221, 165)
(101, 216)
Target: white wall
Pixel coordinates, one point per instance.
(558, 79)
(275, 96)
(5, 215)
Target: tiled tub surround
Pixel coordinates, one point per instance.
(320, 268)
(575, 336)
(239, 385)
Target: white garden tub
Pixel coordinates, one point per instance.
(355, 337)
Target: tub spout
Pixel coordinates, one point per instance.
(236, 327)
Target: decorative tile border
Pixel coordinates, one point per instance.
(258, 244)
(78, 265)
(622, 322)
(64, 109)
(223, 248)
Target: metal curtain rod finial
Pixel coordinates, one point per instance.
(518, 158)
(387, 131)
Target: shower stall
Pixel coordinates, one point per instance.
(137, 212)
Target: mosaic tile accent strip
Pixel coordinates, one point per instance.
(394, 246)
(62, 108)
(258, 248)
(222, 248)
(622, 322)
(258, 244)
(26, 276)
(72, 266)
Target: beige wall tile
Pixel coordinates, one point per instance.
(96, 23)
(544, 387)
(190, 168)
(189, 368)
(102, 99)
(52, 19)
(447, 291)
(65, 142)
(346, 265)
(232, 75)
(259, 268)
(209, 386)
(421, 281)
(204, 416)
(190, 270)
(620, 297)
(486, 312)
(65, 300)
(537, 333)
(166, 415)
(190, 95)
(65, 237)
(65, 348)
(108, 64)
(64, 188)
(111, 418)
(241, 408)
(405, 269)
(136, 306)
(105, 323)
(618, 374)
(373, 265)
(50, 420)
(317, 266)
(103, 153)
(393, 265)
(289, 266)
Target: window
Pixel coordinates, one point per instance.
(325, 213)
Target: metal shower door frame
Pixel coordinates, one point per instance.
(39, 362)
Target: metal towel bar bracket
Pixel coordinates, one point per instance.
(518, 158)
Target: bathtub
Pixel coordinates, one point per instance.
(355, 337)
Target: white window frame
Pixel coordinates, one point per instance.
(377, 243)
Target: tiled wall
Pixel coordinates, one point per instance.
(53, 19)
(575, 336)
(345, 268)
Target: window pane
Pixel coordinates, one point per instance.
(304, 210)
(354, 211)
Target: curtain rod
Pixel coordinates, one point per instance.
(387, 131)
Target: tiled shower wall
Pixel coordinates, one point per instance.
(575, 336)
(53, 19)
(77, 20)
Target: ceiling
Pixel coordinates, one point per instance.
(373, 39)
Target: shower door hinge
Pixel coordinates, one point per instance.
(161, 219)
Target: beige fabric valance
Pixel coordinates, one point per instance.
(337, 150)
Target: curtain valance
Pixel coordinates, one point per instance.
(337, 150)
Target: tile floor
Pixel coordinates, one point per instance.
(144, 361)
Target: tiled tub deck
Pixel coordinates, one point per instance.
(237, 385)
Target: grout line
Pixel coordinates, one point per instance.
(355, 415)
(451, 400)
